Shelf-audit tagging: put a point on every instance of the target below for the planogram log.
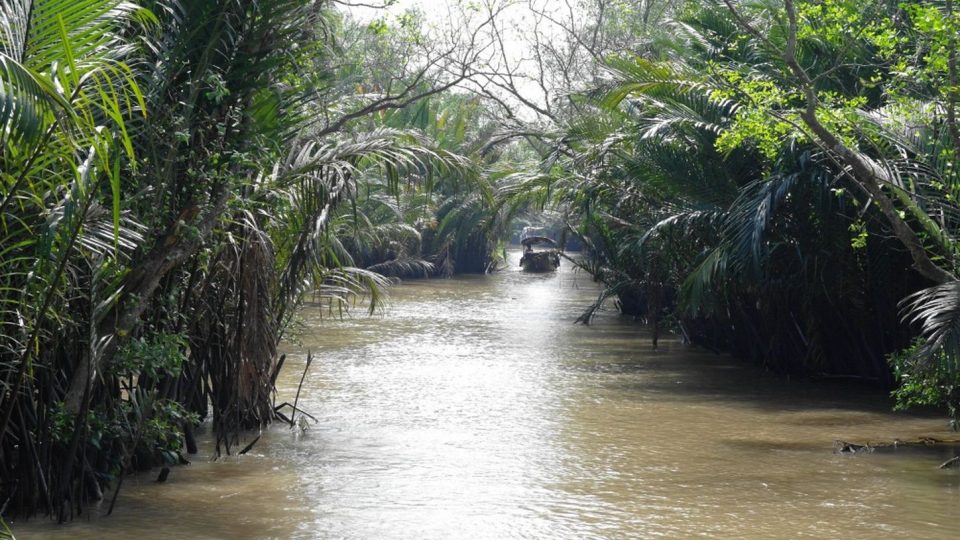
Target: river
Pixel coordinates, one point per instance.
(474, 408)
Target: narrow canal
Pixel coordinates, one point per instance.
(475, 408)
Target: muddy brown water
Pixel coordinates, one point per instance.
(474, 408)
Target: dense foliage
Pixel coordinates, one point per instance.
(776, 179)
(168, 196)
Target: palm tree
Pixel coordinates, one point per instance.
(165, 206)
(668, 214)
(67, 95)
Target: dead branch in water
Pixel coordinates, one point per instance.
(844, 447)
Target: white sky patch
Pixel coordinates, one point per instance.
(515, 19)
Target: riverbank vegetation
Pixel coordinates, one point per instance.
(773, 179)
(790, 175)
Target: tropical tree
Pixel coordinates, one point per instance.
(166, 204)
(67, 96)
(692, 178)
(857, 111)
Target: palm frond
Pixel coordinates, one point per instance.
(937, 311)
(403, 268)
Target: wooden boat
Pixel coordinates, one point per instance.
(540, 254)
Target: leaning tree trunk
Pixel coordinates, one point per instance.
(864, 173)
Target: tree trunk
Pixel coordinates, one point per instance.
(138, 287)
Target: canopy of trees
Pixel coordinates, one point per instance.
(775, 179)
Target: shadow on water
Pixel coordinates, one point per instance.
(678, 371)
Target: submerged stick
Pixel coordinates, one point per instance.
(249, 446)
(953, 462)
(164, 473)
(276, 410)
(189, 439)
(116, 491)
(844, 447)
(281, 415)
(296, 399)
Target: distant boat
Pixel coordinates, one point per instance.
(540, 254)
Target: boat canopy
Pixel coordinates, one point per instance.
(534, 240)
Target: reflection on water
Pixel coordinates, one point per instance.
(474, 408)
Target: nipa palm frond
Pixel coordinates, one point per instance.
(937, 311)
